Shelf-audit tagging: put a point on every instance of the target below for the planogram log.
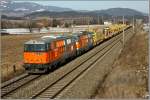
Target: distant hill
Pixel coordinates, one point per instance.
(121, 12)
(108, 12)
(10, 8)
(63, 14)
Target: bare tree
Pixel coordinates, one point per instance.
(30, 24)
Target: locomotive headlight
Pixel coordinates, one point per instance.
(77, 43)
(71, 48)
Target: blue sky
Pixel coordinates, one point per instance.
(97, 5)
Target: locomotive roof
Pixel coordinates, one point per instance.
(53, 36)
(81, 33)
(35, 42)
(47, 39)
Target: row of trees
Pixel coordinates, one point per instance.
(24, 23)
(29, 23)
(45, 22)
(49, 23)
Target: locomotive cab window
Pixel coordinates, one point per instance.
(36, 47)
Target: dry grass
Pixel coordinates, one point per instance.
(129, 77)
(12, 54)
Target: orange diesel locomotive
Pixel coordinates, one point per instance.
(47, 52)
(84, 42)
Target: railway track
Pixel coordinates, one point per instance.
(53, 90)
(10, 87)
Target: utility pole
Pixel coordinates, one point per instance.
(102, 20)
(98, 19)
(72, 25)
(114, 19)
(123, 32)
(88, 23)
(133, 24)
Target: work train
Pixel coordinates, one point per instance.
(48, 52)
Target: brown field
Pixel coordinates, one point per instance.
(12, 54)
(129, 77)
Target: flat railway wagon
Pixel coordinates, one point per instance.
(47, 52)
(102, 34)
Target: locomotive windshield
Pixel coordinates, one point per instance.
(35, 47)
